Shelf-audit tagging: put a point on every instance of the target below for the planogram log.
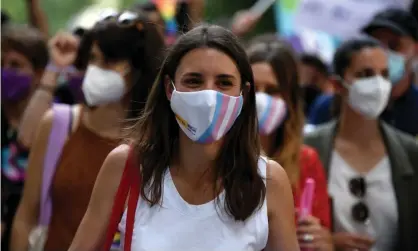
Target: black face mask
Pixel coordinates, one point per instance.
(310, 93)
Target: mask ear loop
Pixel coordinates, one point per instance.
(172, 84)
(342, 82)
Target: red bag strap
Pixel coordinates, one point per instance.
(132, 203)
(129, 181)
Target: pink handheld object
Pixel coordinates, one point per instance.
(306, 200)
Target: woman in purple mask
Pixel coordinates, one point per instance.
(24, 56)
(203, 182)
(280, 116)
(124, 59)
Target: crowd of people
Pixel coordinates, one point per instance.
(114, 139)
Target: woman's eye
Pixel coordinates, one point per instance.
(385, 74)
(15, 65)
(393, 45)
(225, 83)
(192, 81)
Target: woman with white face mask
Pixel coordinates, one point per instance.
(197, 178)
(124, 53)
(372, 167)
(280, 116)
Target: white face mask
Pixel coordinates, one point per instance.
(271, 112)
(369, 96)
(102, 86)
(205, 116)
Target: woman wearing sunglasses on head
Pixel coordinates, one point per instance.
(124, 57)
(371, 167)
(280, 115)
(203, 183)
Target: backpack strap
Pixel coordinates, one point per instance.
(61, 127)
(130, 183)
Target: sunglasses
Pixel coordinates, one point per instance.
(359, 211)
(124, 19)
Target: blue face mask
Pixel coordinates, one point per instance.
(396, 63)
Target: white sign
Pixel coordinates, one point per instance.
(317, 43)
(342, 18)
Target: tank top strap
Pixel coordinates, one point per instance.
(262, 166)
(76, 118)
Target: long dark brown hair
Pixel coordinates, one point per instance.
(280, 56)
(155, 137)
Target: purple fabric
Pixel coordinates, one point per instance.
(74, 83)
(56, 141)
(14, 85)
(296, 43)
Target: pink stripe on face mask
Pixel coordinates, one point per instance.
(222, 114)
(233, 115)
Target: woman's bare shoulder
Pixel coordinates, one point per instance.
(116, 159)
(276, 175)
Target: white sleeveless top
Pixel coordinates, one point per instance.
(380, 198)
(178, 226)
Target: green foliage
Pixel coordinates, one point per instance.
(60, 11)
(16, 9)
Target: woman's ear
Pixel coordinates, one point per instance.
(337, 83)
(246, 89)
(168, 85)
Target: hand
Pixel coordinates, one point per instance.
(63, 49)
(243, 22)
(321, 239)
(350, 242)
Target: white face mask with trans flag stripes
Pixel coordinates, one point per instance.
(205, 116)
(271, 112)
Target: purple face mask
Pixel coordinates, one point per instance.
(14, 85)
(74, 84)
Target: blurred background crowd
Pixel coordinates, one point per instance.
(337, 100)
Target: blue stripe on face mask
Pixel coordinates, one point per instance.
(208, 132)
(266, 113)
(396, 64)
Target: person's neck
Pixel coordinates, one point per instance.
(267, 144)
(356, 128)
(14, 112)
(195, 162)
(106, 120)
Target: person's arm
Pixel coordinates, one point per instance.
(315, 226)
(27, 213)
(243, 22)
(321, 208)
(281, 211)
(196, 11)
(37, 16)
(39, 103)
(91, 232)
(63, 52)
